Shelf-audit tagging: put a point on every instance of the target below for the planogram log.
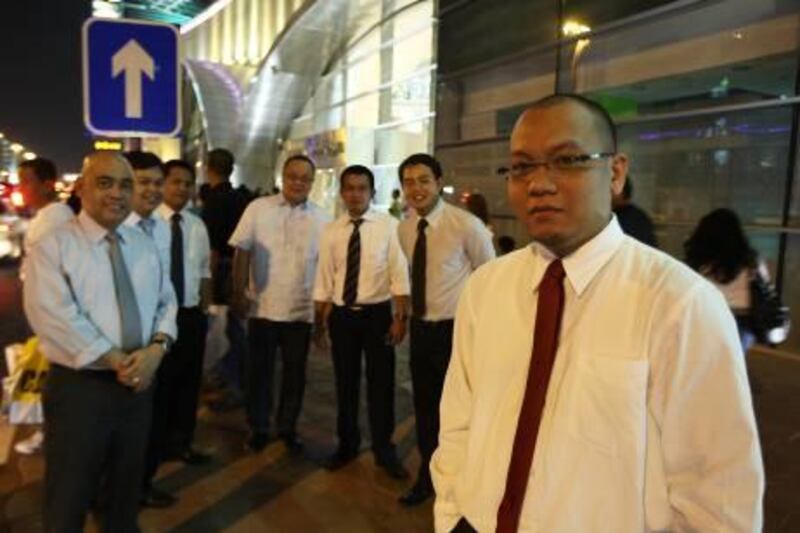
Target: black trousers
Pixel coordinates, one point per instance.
(463, 527)
(353, 332)
(266, 338)
(177, 391)
(95, 433)
(431, 344)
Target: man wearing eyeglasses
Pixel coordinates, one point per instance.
(277, 244)
(595, 384)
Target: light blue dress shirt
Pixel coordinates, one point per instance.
(69, 295)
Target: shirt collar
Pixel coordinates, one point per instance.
(166, 211)
(133, 219)
(94, 231)
(434, 216)
(583, 264)
(369, 215)
(283, 202)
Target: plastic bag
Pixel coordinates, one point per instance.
(27, 379)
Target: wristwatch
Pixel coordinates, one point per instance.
(163, 340)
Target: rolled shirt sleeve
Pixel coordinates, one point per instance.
(478, 244)
(167, 307)
(52, 311)
(244, 235)
(324, 278)
(399, 284)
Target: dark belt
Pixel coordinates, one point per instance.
(106, 375)
(358, 308)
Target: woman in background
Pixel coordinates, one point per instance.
(719, 250)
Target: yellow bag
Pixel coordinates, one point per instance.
(28, 375)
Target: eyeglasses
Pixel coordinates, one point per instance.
(559, 164)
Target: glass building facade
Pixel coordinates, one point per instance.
(373, 105)
(705, 94)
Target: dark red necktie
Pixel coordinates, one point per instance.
(549, 310)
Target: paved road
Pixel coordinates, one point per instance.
(777, 404)
(13, 326)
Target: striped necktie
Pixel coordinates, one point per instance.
(350, 292)
(147, 225)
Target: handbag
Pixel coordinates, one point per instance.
(769, 318)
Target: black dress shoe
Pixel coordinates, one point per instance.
(394, 468)
(339, 459)
(293, 444)
(258, 441)
(157, 499)
(194, 457)
(418, 494)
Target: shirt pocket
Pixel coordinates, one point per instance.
(377, 258)
(607, 403)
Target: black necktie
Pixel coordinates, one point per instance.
(176, 258)
(418, 270)
(350, 291)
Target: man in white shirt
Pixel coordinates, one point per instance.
(148, 184)
(631, 388)
(443, 245)
(361, 272)
(277, 245)
(37, 179)
(180, 375)
(102, 306)
(148, 192)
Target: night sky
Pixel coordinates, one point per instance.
(40, 78)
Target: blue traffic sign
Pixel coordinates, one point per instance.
(131, 78)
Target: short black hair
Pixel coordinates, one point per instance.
(179, 163)
(220, 161)
(606, 128)
(627, 189)
(305, 159)
(359, 170)
(506, 243)
(44, 169)
(140, 160)
(420, 159)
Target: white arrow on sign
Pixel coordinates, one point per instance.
(134, 61)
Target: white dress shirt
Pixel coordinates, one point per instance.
(457, 242)
(284, 246)
(162, 235)
(48, 218)
(648, 423)
(69, 294)
(383, 272)
(196, 252)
